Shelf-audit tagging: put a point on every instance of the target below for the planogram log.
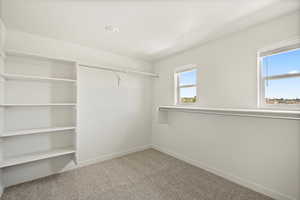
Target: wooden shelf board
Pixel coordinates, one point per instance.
(35, 131)
(35, 157)
(34, 78)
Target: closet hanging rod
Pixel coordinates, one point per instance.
(121, 70)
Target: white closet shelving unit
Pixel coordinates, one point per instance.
(37, 108)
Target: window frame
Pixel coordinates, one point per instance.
(282, 47)
(178, 87)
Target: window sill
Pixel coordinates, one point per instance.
(260, 113)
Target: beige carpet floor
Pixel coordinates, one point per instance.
(146, 175)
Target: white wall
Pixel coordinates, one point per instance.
(111, 120)
(263, 154)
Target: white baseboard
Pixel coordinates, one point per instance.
(105, 157)
(233, 178)
(111, 156)
(91, 161)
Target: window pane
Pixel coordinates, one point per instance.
(282, 91)
(188, 77)
(283, 63)
(188, 95)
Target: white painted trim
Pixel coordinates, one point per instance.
(177, 87)
(261, 80)
(187, 86)
(249, 184)
(185, 68)
(280, 44)
(105, 157)
(101, 159)
(112, 156)
(282, 76)
(258, 80)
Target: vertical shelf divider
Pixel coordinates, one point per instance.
(2, 57)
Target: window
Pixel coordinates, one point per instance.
(186, 86)
(280, 77)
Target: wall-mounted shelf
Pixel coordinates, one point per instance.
(35, 157)
(258, 113)
(37, 56)
(35, 131)
(37, 105)
(35, 78)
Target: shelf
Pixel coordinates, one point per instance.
(36, 56)
(35, 157)
(261, 113)
(35, 78)
(37, 105)
(35, 131)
